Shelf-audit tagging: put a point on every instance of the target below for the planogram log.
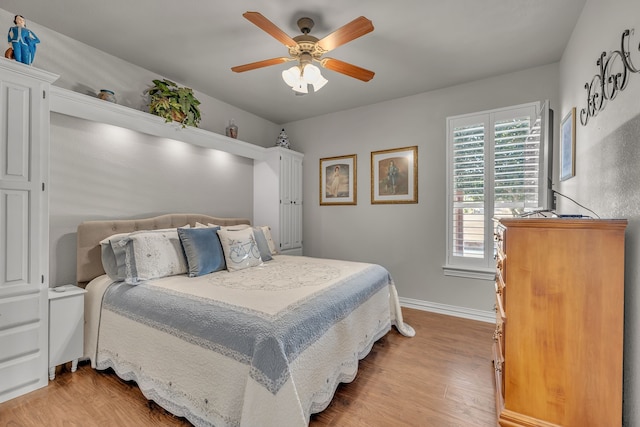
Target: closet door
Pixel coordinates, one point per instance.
(24, 218)
(295, 219)
(286, 201)
(277, 197)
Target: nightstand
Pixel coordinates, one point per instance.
(66, 326)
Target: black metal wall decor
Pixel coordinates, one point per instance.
(612, 78)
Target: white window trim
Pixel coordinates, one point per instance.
(476, 268)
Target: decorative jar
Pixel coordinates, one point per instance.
(107, 95)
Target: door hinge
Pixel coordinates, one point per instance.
(42, 279)
(44, 94)
(43, 186)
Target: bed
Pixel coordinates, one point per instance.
(264, 344)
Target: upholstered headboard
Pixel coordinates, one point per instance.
(90, 233)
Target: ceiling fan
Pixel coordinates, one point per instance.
(306, 49)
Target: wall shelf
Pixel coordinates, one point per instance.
(82, 106)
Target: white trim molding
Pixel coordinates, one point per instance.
(82, 106)
(470, 272)
(450, 310)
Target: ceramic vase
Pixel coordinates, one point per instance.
(232, 130)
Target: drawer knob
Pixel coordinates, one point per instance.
(497, 334)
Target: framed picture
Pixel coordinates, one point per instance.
(338, 180)
(394, 175)
(568, 146)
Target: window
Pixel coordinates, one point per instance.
(498, 166)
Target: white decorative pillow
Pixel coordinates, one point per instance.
(230, 227)
(240, 248)
(153, 254)
(267, 234)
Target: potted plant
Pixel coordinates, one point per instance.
(174, 103)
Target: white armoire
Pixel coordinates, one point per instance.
(277, 200)
(24, 227)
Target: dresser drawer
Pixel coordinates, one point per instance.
(498, 334)
(498, 367)
(498, 237)
(498, 355)
(500, 285)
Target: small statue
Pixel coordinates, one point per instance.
(283, 140)
(23, 41)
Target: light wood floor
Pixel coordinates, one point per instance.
(442, 377)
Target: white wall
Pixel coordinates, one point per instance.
(608, 157)
(101, 171)
(409, 240)
(86, 70)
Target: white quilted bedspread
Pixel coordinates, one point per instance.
(265, 346)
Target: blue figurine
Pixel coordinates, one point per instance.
(23, 41)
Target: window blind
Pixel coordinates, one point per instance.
(468, 190)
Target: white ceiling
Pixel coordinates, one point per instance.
(417, 45)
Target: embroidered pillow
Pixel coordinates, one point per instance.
(151, 255)
(240, 248)
(203, 250)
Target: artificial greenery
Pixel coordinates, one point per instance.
(174, 103)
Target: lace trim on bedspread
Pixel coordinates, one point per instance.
(166, 395)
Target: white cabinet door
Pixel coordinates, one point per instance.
(24, 219)
(286, 203)
(277, 202)
(295, 219)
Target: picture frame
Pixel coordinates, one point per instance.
(394, 175)
(338, 180)
(568, 145)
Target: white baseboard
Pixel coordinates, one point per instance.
(451, 310)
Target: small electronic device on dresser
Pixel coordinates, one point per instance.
(66, 326)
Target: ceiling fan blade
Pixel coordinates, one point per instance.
(260, 64)
(351, 31)
(269, 27)
(347, 69)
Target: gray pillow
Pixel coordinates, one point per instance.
(113, 256)
(263, 246)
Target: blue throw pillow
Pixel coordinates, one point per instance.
(203, 250)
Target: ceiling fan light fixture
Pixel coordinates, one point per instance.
(310, 73)
(299, 79)
(292, 76)
(319, 84)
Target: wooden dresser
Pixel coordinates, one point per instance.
(559, 322)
